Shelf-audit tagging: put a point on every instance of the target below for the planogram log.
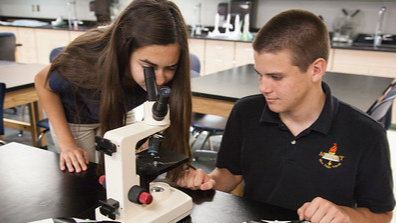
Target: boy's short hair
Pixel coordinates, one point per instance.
(301, 32)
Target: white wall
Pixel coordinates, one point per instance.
(266, 9)
(48, 9)
(368, 14)
(327, 9)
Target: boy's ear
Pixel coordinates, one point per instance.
(319, 66)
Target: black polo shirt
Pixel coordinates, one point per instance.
(343, 157)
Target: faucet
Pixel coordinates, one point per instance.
(378, 31)
(72, 20)
(197, 28)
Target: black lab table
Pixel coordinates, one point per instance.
(32, 188)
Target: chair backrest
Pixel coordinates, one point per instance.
(7, 46)
(382, 110)
(2, 95)
(55, 52)
(195, 66)
(392, 90)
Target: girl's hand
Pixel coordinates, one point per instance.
(74, 159)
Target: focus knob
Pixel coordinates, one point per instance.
(139, 195)
(145, 198)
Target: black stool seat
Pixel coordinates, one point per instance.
(212, 123)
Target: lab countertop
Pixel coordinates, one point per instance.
(83, 27)
(91, 24)
(64, 27)
(334, 45)
(368, 47)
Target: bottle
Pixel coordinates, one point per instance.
(75, 24)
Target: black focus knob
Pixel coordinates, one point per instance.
(139, 195)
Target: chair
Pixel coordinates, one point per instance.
(204, 123)
(195, 66)
(7, 46)
(211, 124)
(2, 95)
(55, 52)
(44, 123)
(381, 110)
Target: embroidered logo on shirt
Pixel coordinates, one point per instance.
(330, 159)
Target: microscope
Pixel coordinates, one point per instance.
(131, 194)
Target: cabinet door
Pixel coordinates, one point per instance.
(330, 61)
(244, 54)
(197, 47)
(372, 63)
(219, 55)
(74, 34)
(27, 53)
(9, 29)
(48, 40)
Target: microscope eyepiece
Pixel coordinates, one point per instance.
(150, 80)
(160, 107)
(165, 92)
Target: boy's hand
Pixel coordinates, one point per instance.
(196, 180)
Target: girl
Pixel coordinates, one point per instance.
(92, 86)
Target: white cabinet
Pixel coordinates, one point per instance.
(197, 47)
(38, 43)
(219, 55)
(373, 63)
(27, 52)
(244, 54)
(330, 59)
(47, 40)
(8, 29)
(74, 34)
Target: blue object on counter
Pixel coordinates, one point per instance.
(25, 22)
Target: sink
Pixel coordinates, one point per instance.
(367, 40)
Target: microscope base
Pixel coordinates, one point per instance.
(169, 205)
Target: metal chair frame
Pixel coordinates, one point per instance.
(204, 123)
(382, 108)
(2, 96)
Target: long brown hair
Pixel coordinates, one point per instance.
(100, 59)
